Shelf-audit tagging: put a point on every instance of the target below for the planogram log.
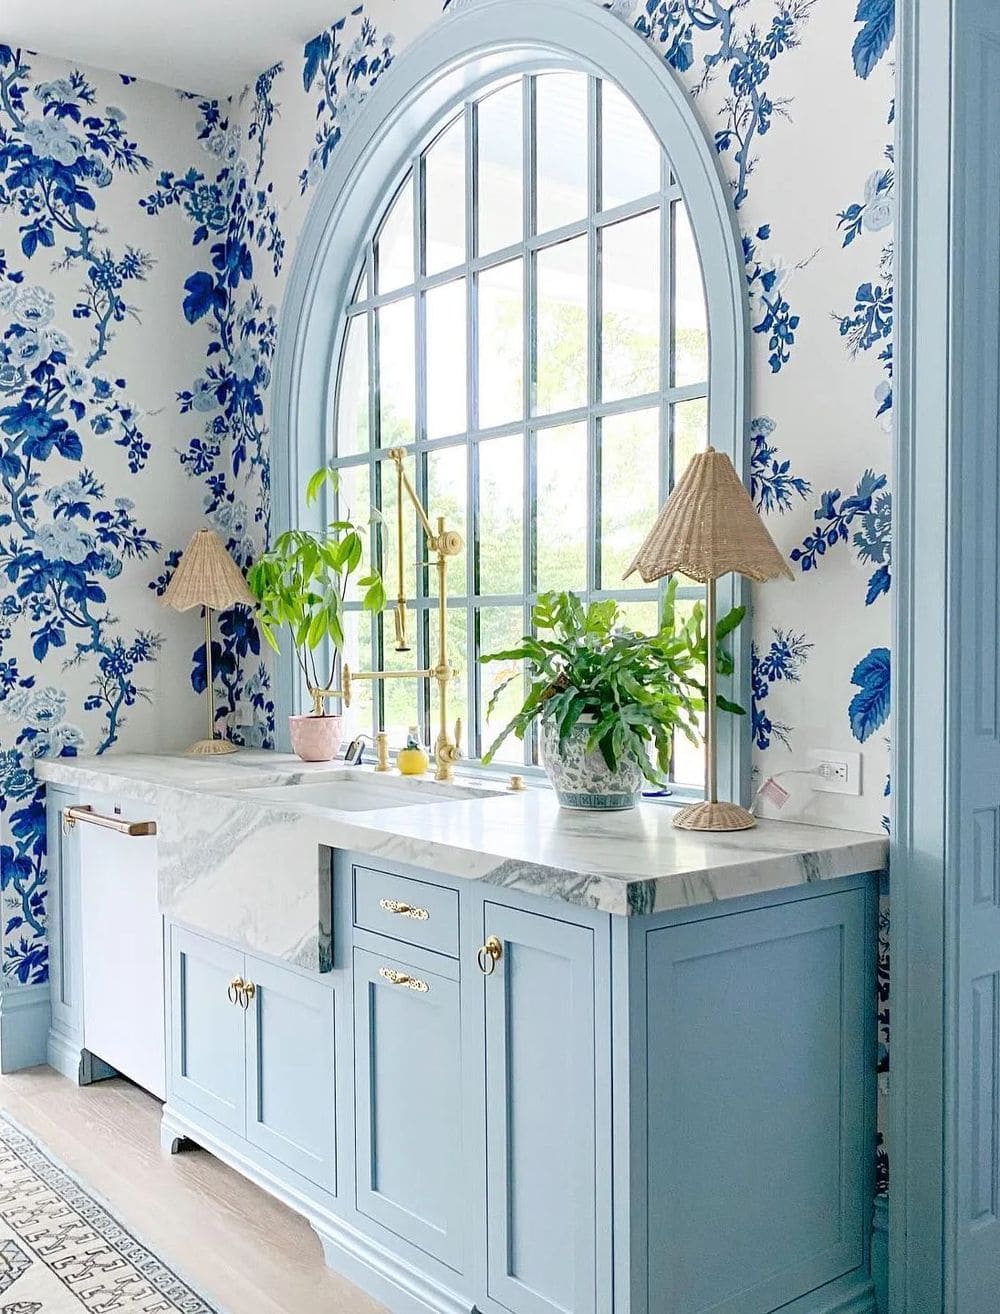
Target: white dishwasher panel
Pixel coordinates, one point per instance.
(122, 937)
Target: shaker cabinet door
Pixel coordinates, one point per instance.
(207, 1030)
(540, 1115)
(409, 1111)
(290, 1070)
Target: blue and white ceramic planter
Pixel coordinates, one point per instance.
(582, 779)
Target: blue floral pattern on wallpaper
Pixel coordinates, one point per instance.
(233, 221)
(64, 534)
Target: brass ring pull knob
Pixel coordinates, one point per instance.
(235, 990)
(489, 955)
(249, 990)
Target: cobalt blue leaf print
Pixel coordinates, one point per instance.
(263, 114)
(770, 312)
(773, 485)
(344, 71)
(869, 708)
(234, 219)
(783, 660)
(869, 512)
(749, 110)
(879, 27)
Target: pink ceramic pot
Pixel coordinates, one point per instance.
(316, 738)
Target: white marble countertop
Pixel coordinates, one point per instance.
(624, 863)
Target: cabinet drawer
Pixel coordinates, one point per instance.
(408, 910)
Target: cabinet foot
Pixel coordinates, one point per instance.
(172, 1138)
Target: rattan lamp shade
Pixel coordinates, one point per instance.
(709, 527)
(208, 577)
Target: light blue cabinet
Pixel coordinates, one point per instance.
(541, 1129)
(661, 1114)
(409, 1100)
(253, 1050)
(207, 1029)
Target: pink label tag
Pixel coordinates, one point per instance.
(773, 792)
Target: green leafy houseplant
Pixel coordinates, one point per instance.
(302, 582)
(632, 690)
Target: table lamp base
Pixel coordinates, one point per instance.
(714, 816)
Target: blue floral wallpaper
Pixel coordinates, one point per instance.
(145, 236)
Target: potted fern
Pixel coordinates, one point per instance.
(301, 582)
(608, 698)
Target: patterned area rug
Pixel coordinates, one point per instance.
(61, 1252)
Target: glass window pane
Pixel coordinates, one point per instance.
(642, 616)
(630, 479)
(354, 503)
(358, 656)
(690, 429)
(352, 402)
(561, 508)
(446, 353)
(458, 689)
(501, 515)
(397, 372)
(630, 153)
(501, 344)
(401, 697)
(501, 169)
(361, 287)
(630, 307)
(388, 534)
(499, 629)
(561, 149)
(690, 318)
(447, 496)
(394, 244)
(561, 366)
(444, 183)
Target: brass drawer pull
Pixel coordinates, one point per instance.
(404, 909)
(249, 990)
(401, 979)
(84, 812)
(489, 955)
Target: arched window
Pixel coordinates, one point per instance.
(519, 303)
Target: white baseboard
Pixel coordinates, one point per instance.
(24, 1025)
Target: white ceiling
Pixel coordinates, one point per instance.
(211, 46)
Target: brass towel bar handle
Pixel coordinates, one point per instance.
(84, 812)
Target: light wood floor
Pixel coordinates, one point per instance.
(236, 1244)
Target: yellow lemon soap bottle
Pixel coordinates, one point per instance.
(412, 760)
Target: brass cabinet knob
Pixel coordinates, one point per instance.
(489, 955)
(249, 990)
(234, 991)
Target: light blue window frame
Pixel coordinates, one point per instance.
(457, 59)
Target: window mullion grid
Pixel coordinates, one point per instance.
(594, 344)
(473, 699)
(529, 370)
(420, 591)
(666, 471)
(375, 537)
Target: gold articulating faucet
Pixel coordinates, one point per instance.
(444, 543)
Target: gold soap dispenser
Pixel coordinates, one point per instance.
(412, 760)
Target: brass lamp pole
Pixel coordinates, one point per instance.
(707, 528)
(444, 543)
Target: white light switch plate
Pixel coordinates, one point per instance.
(842, 769)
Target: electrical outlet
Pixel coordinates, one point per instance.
(838, 770)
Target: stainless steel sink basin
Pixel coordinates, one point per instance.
(362, 791)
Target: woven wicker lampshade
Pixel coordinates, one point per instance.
(708, 527)
(207, 577)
